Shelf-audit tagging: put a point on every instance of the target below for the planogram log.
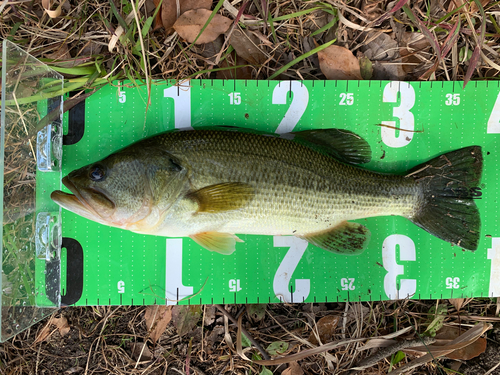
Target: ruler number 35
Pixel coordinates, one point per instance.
(452, 99)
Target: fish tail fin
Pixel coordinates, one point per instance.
(449, 184)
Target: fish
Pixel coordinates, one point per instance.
(212, 184)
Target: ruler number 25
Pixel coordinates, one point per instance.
(346, 98)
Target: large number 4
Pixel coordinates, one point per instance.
(494, 120)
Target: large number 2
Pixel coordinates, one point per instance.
(406, 119)
(407, 252)
(288, 265)
(297, 106)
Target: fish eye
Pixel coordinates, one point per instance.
(97, 173)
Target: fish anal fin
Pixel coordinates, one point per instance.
(343, 145)
(346, 238)
(222, 197)
(222, 243)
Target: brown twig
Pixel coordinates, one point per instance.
(390, 350)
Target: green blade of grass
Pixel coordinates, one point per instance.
(326, 27)
(296, 14)
(300, 58)
(212, 15)
(116, 13)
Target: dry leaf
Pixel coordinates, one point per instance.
(210, 50)
(157, 319)
(365, 67)
(61, 53)
(190, 24)
(169, 10)
(158, 23)
(372, 9)
(60, 324)
(140, 351)
(413, 46)
(433, 351)
(457, 303)
(466, 353)
(293, 369)
(339, 63)
(469, 7)
(185, 318)
(244, 72)
(52, 13)
(383, 52)
(326, 327)
(246, 45)
(72, 370)
(256, 311)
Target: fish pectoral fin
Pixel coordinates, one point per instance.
(222, 243)
(343, 145)
(222, 197)
(346, 239)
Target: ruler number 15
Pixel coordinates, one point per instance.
(452, 99)
(234, 98)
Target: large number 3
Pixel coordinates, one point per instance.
(407, 252)
(402, 112)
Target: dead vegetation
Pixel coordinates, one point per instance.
(430, 337)
(94, 43)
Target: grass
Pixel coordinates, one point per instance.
(95, 43)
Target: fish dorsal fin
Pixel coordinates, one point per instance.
(346, 239)
(343, 145)
(222, 197)
(222, 243)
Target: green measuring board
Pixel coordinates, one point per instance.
(405, 124)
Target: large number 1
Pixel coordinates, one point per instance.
(406, 119)
(182, 105)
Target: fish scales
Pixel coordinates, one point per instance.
(297, 190)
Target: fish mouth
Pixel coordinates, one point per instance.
(77, 203)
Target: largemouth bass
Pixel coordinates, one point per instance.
(210, 185)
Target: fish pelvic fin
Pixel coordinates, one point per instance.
(222, 243)
(222, 197)
(343, 145)
(346, 239)
(449, 183)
